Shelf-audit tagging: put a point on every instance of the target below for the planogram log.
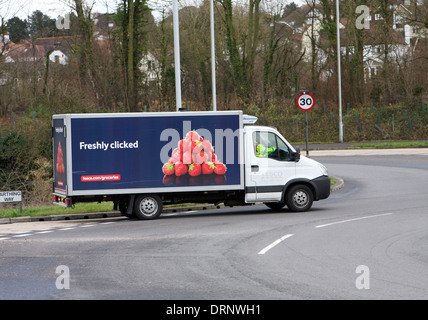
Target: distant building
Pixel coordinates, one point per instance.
(404, 36)
(55, 48)
(6, 38)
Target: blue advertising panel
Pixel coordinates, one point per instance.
(155, 151)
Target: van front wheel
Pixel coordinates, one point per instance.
(299, 198)
(148, 206)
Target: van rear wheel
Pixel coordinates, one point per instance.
(148, 206)
(299, 198)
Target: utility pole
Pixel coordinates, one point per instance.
(339, 72)
(177, 55)
(213, 56)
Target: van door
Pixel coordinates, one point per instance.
(59, 131)
(269, 166)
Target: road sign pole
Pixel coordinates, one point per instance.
(307, 134)
(305, 102)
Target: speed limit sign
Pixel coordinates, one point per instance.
(305, 101)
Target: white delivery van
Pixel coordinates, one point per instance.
(141, 161)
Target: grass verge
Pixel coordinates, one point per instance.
(408, 144)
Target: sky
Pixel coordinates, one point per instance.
(55, 8)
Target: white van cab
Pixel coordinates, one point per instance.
(276, 173)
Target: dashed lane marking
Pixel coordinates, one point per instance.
(275, 243)
(50, 230)
(355, 219)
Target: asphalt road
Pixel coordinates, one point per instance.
(369, 240)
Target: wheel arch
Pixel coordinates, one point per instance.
(302, 181)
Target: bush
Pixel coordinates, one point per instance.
(24, 163)
(17, 158)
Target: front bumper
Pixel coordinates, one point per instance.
(322, 187)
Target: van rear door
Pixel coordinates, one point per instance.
(59, 134)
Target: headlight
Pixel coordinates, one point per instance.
(323, 169)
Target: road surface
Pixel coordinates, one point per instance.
(369, 240)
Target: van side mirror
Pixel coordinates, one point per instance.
(295, 156)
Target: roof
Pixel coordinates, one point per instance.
(24, 51)
(64, 43)
(37, 50)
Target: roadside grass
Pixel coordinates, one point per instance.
(90, 207)
(405, 144)
(56, 210)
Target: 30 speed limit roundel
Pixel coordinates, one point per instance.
(305, 101)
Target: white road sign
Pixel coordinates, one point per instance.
(305, 101)
(10, 196)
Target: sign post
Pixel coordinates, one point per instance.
(11, 196)
(305, 101)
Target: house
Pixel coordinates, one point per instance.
(56, 48)
(4, 39)
(150, 67)
(306, 22)
(103, 26)
(400, 40)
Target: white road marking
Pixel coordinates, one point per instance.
(22, 235)
(273, 244)
(49, 230)
(355, 219)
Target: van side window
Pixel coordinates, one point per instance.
(283, 151)
(269, 145)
